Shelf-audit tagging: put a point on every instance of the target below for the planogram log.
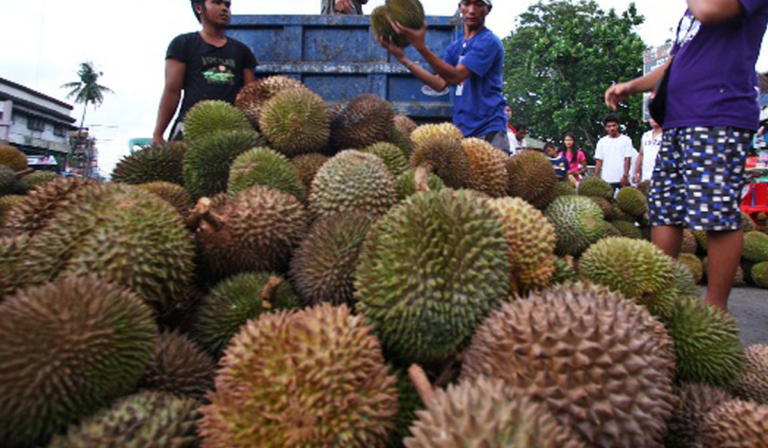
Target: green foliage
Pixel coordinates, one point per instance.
(560, 60)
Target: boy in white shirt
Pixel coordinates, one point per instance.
(648, 152)
(614, 154)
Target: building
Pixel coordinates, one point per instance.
(35, 123)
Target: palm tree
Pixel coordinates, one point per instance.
(86, 91)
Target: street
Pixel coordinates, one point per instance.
(750, 306)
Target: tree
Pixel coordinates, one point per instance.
(560, 60)
(87, 91)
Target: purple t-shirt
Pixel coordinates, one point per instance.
(713, 80)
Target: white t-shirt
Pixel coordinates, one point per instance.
(513, 148)
(635, 154)
(651, 148)
(613, 152)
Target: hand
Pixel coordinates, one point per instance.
(636, 178)
(415, 37)
(616, 94)
(390, 46)
(158, 139)
(345, 6)
(625, 180)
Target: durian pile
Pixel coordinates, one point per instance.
(298, 274)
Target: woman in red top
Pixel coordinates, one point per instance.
(576, 158)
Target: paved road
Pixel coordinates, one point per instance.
(750, 306)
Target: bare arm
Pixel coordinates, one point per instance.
(621, 92)
(435, 82)
(248, 76)
(174, 81)
(598, 167)
(450, 74)
(638, 166)
(627, 164)
(710, 12)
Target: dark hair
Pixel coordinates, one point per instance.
(611, 118)
(549, 145)
(199, 2)
(520, 126)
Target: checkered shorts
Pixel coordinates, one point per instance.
(698, 178)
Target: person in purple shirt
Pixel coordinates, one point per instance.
(474, 65)
(711, 115)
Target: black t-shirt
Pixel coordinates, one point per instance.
(212, 73)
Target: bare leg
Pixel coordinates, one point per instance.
(669, 239)
(724, 250)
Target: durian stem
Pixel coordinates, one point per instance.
(202, 212)
(22, 173)
(422, 385)
(269, 289)
(421, 179)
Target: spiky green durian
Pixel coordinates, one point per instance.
(295, 121)
(707, 344)
(606, 206)
(695, 402)
(11, 157)
(9, 181)
(120, 233)
(314, 378)
(361, 122)
(749, 223)
(487, 169)
(391, 155)
(144, 420)
(645, 187)
(263, 166)
(37, 179)
(532, 178)
(595, 187)
(235, 301)
(694, 265)
(13, 253)
(179, 367)
(759, 274)
(486, 413)
(531, 240)
(307, 166)
(444, 156)
(628, 229)
(632, 201)
(353, 181)
(7, 203)
(209, 158)
(404, 124)
(256, 230)
(587, 354)
(382, 27)
(735, 423)
(753, 379)
(158, 162)
(430, 271)
(252, 97)
(66, 349)
(690, 246)
(426, 131)
(564, 271)
(406, 184)
(636, 268)
(578, 222)
(564, 189)
(409, 403)
(323, 267)
(402, 141)
(173, 194)
(701, 239)
(684, 283)
(755, 247)
(610, 230)
(408, 13)
(213, 116)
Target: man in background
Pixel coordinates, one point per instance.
(613, 155)
(353, 7)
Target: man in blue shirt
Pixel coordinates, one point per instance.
(473, 65)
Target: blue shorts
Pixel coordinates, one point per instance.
(698, 178)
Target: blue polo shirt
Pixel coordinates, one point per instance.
(479, 104)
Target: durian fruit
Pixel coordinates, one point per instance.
(749, 223)
(13, 253)
(611, 230)
(66, 349)
(42, 204)
(158, 162)
(307, 166)
(263, 166)
(211, 117)
(404, 124)
(628, 229)
(684, 283)
(323, 267)
(486, 413)
(645, 187)
(759, 274)
(444, 156)
(173, 194)
(606, 206)
(595, 187)
(409, 402)
(7, 203)
(391, 155)
(755, 247)
(579, 224)
(564, 271)
(252, 97)
(408, 13)
(426, 131)
(37, 179)
(532, 178)
(120, 233)
(406, 184)
(256, 230)
(695, 402)
(690, 246)
(707, 344)
(637, 269)
(563, 189)
(487, 169)
(531, 240)
(693, 264)
(179, 367)
(736, 424)
(295, 121)
(430, 271)
(701, 239)
(313, 378)
(9, 181)
(402, 141)
(11, 157)
(739, 279)
(380, 23)
(588, 355)
(632, 201)
(208, 160)
(361, 122)
(144, 420)
(353, 181)
(753, 379)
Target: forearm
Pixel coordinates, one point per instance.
(639, 164)
(433, 81)
(627, 164)
(168, 104)
(444, 70)
(648, 82)
(714, 11)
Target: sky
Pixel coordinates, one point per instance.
(44, 41)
